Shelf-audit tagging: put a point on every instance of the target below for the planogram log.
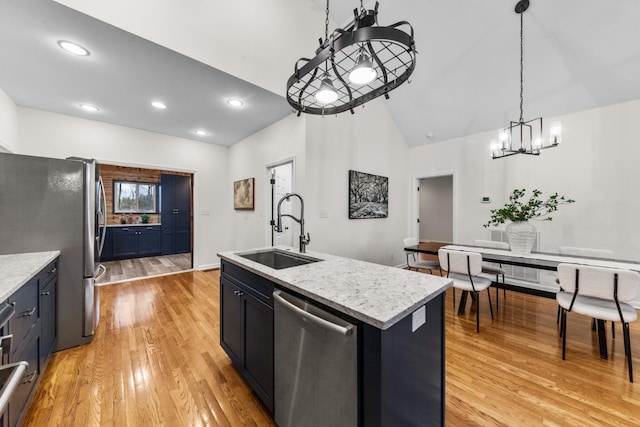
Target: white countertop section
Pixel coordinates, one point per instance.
(18, 269)
(375, 294)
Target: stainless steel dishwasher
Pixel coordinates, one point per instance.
(316, 367)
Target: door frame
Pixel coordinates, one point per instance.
(415, 226)
(267, 201)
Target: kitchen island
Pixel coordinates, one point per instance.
(398, 314)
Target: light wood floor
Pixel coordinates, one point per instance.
(156, 361)
(128, 269)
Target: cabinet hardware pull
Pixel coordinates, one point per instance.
(29, 313)
(53, 270)
(29, 378)
(45, 294)
(12, 303)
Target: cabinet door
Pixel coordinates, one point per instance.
(182, 232)
(258, 344)
(125, 242)
(47, 319)
(182, 195)
(168, 239)
(231, 321)
(18, 400)
(149, 241)
(107, 249)
(167, 192)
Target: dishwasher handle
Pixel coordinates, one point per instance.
(346, 331)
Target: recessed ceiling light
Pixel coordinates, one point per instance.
(89, 108)
(159, 105)
(235, 102)
(201, 132)
(74, 48)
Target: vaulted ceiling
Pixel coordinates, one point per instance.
(578, 55)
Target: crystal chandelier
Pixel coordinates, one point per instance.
(352, 65)
(524, 137)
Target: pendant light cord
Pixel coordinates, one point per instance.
(326, 24)
(521, 64)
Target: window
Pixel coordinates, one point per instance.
(134, 197)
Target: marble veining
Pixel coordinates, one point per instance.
(375, 294)
(18, 269)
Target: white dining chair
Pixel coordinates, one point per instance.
(490, 269)
(465, 268)
(600, 293)
(587, 253)
(413, 263)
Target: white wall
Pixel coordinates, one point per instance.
(8, 124)
(596, 164)
(325, 149)
(249, 159)
(54, 135)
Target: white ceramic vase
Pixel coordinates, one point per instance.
(521, 236)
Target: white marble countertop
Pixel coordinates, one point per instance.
(18, 269)
(134, 225)
(375, 294)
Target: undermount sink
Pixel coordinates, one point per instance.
(278, 259)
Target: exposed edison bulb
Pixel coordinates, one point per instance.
(495, 150)
(363, 72)
(555, 133)
(536, 144)
(327, 93)
(504, 139)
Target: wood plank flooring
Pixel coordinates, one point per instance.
(156, 361)
(135, 268)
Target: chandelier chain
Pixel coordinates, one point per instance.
(521, 66)
(326, 24)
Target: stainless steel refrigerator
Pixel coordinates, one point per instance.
(57, 204)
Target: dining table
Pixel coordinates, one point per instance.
(538, 260)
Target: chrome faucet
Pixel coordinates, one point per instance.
(304, 240)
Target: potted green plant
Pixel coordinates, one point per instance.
(520, 233)
(145, 218)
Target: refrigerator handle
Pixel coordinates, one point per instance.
(102, 217)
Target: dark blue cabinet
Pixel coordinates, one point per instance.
(246, 327)
(107, 248)
(33, 327)
(175, 213)
(132, 242)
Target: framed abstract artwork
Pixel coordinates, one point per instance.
(243, 194)
(368, 195)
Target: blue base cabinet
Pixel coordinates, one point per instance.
(33, 327)
(124, 242)
(401, 371)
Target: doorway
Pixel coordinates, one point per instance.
(280, 183)
(435, 209)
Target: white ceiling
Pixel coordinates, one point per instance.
(123, 74)
(579, 54)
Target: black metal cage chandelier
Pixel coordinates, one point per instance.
(524, 137)
(352, 65)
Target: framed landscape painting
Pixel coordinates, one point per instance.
(243, 193)
(368, 195)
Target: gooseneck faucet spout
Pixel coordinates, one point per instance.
(304, 239)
